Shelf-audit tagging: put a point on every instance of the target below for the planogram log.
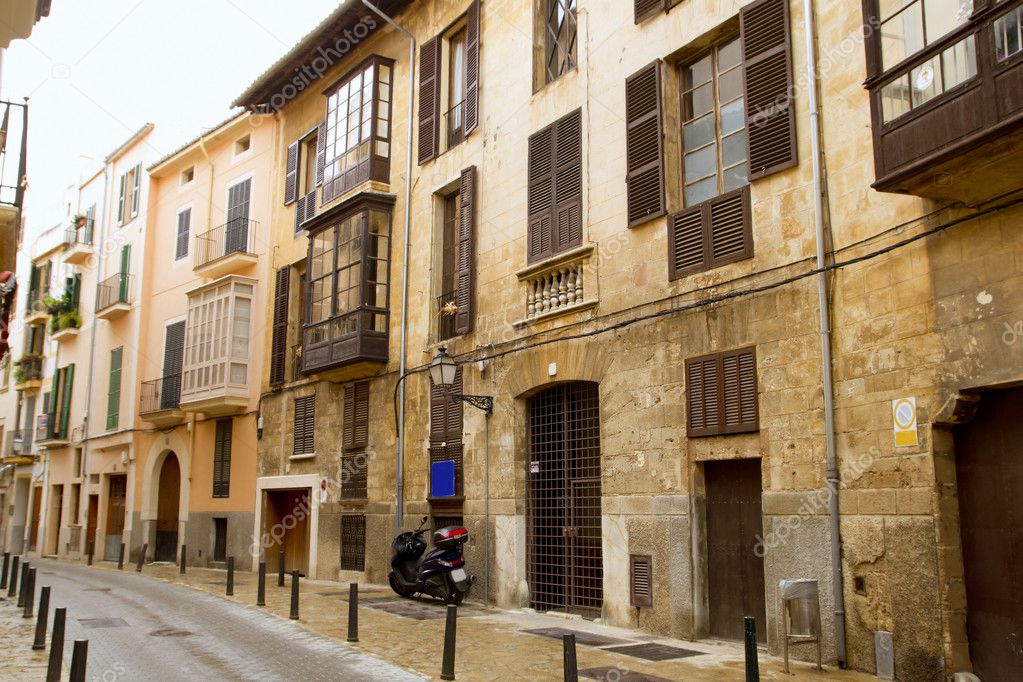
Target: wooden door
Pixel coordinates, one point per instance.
(37, 502)
(989, 473)
(57, 507)
(286, 527)
(91, 522)
(116, 504)
(167, 504)
(735, 579)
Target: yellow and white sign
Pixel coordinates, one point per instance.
(904, 418)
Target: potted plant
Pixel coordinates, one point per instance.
(79, 219)
(67, 319)
(57, 305)
(29, 367)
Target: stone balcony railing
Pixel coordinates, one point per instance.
(557, 286)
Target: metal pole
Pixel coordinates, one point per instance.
(79, 657)
(752, 665)
(7, 566)
(230, 576)
(571, 663)
(261, 585)
(294, 595)
(44, 612)
(142, 558)
(14, 577)
(353, 612)
(280, 569)
(486, 508)
(184, 554)
(120, 557)
(56, 661)
(29, 590)
(447, 666)
(24, 584)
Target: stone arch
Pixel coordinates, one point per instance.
(528, 372)
(155, 458)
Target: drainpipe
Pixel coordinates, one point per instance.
(819, 193)
(209, 194)
(399, 458)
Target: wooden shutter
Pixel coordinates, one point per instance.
(291, 174)
(90, 223)
(645, 145)
(641, 590)
(541, 194)
(721, 393)
(710, 234)
(466, 258)
(50, 407)
(647, 8)
(355, 427)
(136, 191)
(114, 390)
(568, 182)
(445, 413)
(703, 389)
(120, 199)
(321, 153)
(74, 289)
(222, 458)
(429, 102)
(173, 357)
(770, 101)
(184, 225)
(472, 68)
(65, 405)
(279, 337)
(300, 213)
(739, 387)
(305, 425)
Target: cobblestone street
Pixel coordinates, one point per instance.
(171, 632)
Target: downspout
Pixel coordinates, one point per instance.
(399, 457)
(213, 172)
(824, 310)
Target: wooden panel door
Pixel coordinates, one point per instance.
(91, 522)
(37, 502)
(989, 473)
(287, 528)
(167, 505)
(117, 493)
(735, 578)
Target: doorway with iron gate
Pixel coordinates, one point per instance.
(565, 558)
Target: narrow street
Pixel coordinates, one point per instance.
(144, 629)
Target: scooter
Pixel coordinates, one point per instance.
(439, 573)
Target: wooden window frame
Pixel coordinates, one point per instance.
(555, 37)
(223, 434)
(718, 362)
(546, 202)
(304, 426)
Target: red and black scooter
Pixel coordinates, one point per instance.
(439, 573)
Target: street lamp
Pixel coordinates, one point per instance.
(442, 370)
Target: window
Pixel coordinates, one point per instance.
(555, 188)
(1009, 34)
(114, 388)
(184, 225)
(304, 426)
(353, 542)
(130, 193)
(455, 114)
(222, 458)
(354, 441)
(648, 8)
(446, 305)
(187, 175)
(59, 405)
(242, 145)
(455, 259)
(357, 129)
(279, 334)
(559, 30)
(90, 224)
(304, 174)
(721, 393)
(217, 330)
(446, 427)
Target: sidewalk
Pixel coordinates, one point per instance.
(492, 644)
(17, 659)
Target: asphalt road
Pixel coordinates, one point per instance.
(144, 629)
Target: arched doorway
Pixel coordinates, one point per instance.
(168, 501)
(566, 567)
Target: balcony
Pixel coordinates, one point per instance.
(49, 435)
(161, 401)
(113, 296)
(78, 247)
(13, 157)
(948, 121)
(36, 311)
(15, 445)
(28, 373)
(227, 249)
(556, 286)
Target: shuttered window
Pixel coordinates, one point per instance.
(555, 188)
(279, 335)
(136, 192)
(429, 98)
(644, 9)
(222, 458)
(353, 542)
(291, 174)
(354, 441)
(114, 388)
(184, 226)
(306, 159)
(305, 425)
(472, 68)
(710, 234)
(446, 427)
(466, 253)
(58, 408)
(560, 31)
(721, 393)
(120, 198)
(645, 145)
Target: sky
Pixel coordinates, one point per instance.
(95, 72)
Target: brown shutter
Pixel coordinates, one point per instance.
(305, 425)
(770, 101)
(645, 145)
(429, 93)
(703, 401)
(321, 151)
(721, 393)
(568, 181)
(739, 381)
(641, 580)
(472, 68)
(445, 413)
(291, 174)
(685, 242)
(541, 193)
(355, 427)
(300, 211)
(464, 276)
(279, 339)
(710, 234)
(648, 8)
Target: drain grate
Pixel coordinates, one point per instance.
(614, 674)
(652, 651)
(418, 609)
(102, 623)
(96, 589)
(170, 632)
(584, 638)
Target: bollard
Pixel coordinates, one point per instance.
(79, 657)
(92, 548)
(571, 664)
(280, 570)
(447, 666)
(24, 584)
(56, 646)
(29, 589)
(44, 608)
(261, 585)
(120, 557)
(184, 554)
(230, 576)
(3, 576)
(142, 557)
(14, 577)
(353, 612)
(294, 595)
(752, 665)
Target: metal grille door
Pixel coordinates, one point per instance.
(566, 568)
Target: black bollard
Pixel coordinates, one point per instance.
(353, 612)
(280, 570)
(14, 577)
(261, 585)
(571, 665)
(230, 576)
(142, 558)
(79, 657)
(56, 646)
(752, 665)
(44, 609)
(120, 557)
(3, 576)
(29, 590)
(24, 584)
(447, 666)
(184, 554)
(92, 548)
(294, 595)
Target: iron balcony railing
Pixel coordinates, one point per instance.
(78, 236)
(455, 123)
(113, 290)
(28, 368)
(161, 394)
(35, 301)
(47, 430)
(16, 444)
(447, 310)
(296, 362)
(234, 236)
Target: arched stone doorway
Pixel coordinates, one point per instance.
(168, 500)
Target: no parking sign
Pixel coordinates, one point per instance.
(904, 418)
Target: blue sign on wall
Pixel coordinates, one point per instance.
(442, 479)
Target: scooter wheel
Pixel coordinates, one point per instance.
(398, 588)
